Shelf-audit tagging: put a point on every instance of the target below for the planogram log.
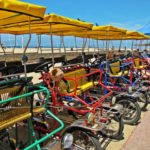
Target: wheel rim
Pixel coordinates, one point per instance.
(82, 141)
(112, 127)
(129, 110)
(142, 100)
(148, 96)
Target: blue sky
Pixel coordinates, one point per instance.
(130, 14)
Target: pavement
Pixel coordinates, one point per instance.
(140, 138)
(135, 137)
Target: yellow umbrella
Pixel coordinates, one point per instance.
(50, 24)
(134, 35)
(58, 23)
(98, 32)
(13, 12)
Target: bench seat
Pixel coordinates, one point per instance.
(10, 117)
(83, 83)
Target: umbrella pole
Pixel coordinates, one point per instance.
(140, 48)
(39, 44)
(75, 44)
(14, 46)
(97, 45)
(126, 47)
(103, 45)
(146, 46)
(25, 58)
(52, 48)
(132, 46)
(105, 90)
(120, 45)
(65, 53)
(3, 49)
(89, 47)
(83, 47)
(93, 46)
(60, 46)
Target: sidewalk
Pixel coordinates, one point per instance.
(140, 138)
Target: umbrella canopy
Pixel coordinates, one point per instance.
(108, 34)
(98, 32)
(14, 11)
(134, 35)
(58, 23)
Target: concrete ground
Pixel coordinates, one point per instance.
(139, 140)
(135, 137)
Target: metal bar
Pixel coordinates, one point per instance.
(140, 48)
(60, 45)
(48, 135)
(83, 47)
(89, 46)
(98, 46)
(39, 44)
(52, 48)
(14, 46)
(132, 46)
(62, 37)
(75, 44)
(25, 49)
(120, 45)
(27, 45)
(26, 95)
(3, 49)
(93, 46)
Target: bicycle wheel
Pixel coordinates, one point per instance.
(148, 96)
(131, 111)
(114, 128)
(143, 101)
(83, 141)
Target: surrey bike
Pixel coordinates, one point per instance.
(71, 92)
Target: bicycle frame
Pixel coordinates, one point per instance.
(88, 107)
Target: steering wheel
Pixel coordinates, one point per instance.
(43, 67)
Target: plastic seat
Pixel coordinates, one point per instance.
(138, 64)
(82, 81)
(116, 70)
(119, 74)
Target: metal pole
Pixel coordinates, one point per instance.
(51, 40)
(132, 46)
(93, 46)
(103, 45)
(64, 47)
(126, 47)
(75, 44)
(60, 45)
(25, 59)
(14, 46)
(140, 48)
(22, 42)
(39, 43)
(97, 45)
(120, 45)
(83, 47)
(89, 46)
(146, 46)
